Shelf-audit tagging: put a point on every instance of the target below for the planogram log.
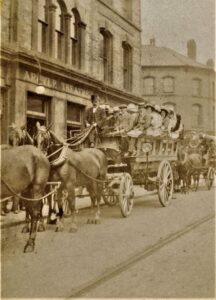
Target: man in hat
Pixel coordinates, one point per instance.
(95, 116)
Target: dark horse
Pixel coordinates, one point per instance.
(87, 167)
(188, 167)
(25, 168)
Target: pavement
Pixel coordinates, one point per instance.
(11, 219)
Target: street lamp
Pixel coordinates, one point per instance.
(40, 89)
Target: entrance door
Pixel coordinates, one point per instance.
(38, 110)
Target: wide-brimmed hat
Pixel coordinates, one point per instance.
(116, 109)
(123, 106)
(171, 110)
(157, 108)
(152, 105)
(132, 107)
(142, 104)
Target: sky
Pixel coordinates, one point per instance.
(173, 22)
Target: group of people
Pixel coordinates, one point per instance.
(132, 121)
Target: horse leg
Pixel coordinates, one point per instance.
(72, 206)
(60, 215)
(35, 211)
(95, 191)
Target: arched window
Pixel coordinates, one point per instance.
(196, 115)
(196, 87)
(107, 55)
(127, 66)
(42, 26)
(59, 39)
(168, 84)
(77, 36)
(149, 85)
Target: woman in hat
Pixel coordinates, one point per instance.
(175, 126)
(156, 121)
(165, 118)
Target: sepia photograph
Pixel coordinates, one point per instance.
(108, 149)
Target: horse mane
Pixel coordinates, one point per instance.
(177, 125)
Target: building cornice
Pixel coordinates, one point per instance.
(179, 67)
(49, 67)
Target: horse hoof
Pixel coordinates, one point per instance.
(25, 230)
(28, 248)
(97, 221)
(88, 221)
(41, 228)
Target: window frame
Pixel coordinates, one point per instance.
(153, 85)
(172, 85)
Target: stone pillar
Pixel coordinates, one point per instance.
(59, 117)
(68, 49)
(52, 23)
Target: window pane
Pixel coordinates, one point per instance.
(74, 112)
(36, 105)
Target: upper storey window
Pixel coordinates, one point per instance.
(107, 55)
(42, 25)
(149, 86)
(127, 66)
(77, 36)
(59, 39)
(196, 87)
(168, 84)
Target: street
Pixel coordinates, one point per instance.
(155, 252)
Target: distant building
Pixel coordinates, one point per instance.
(56, 53)
(177, 80)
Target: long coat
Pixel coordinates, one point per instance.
(98, 117)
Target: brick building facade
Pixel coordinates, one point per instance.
(56, 53)
(179, 81)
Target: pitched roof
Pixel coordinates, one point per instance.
(162, 56)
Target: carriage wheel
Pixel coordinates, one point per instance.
(210, 178)
(165, 183)
(109, 197)
(126, 194)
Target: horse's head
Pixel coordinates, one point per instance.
(18, 135)
(42, 138)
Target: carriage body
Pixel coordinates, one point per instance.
(152, 167)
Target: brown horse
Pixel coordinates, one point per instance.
(87, 168)
(25, 169)
(18, 135)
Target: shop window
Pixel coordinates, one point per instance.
(74, 118)
(127, 66)
(168, 84)
(149, 86)
(196, 115)
(196, 87)
(107, 55)
(38, 109)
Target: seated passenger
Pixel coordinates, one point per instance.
(138, 130)
(175, 126)
(165, 118)
(156, 121)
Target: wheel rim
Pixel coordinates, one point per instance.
(210, 178)
(165, 183)
(126, 195)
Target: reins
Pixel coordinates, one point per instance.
(22, 197)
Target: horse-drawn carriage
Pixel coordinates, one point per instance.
(151, 167)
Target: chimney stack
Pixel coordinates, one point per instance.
(191, 49)
(152, 42)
